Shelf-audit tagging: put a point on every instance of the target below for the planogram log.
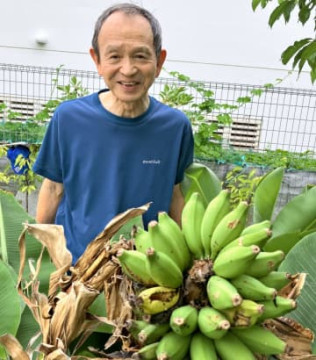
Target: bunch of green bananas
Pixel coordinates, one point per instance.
(215, 256)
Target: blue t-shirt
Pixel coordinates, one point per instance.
(108, 164)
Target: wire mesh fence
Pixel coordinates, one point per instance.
(280, 118)
(280, 121)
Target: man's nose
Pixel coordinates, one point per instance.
(128, 67)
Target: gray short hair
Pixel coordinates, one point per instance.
(129, 9)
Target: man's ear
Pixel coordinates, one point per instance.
(95, 58)
(160, 61)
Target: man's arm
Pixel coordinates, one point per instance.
(49, 197)
(177, 204)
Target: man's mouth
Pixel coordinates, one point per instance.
(128, 83)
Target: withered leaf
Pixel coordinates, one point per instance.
(13, 347)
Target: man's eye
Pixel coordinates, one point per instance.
(141, 56)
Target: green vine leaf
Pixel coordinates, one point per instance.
(284, 9)
(293, 49)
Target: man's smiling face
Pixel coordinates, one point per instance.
(127, 60)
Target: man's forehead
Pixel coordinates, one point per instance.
(135, 28)
(121, 46)
(122, 17)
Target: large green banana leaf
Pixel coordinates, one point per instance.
(266, 195)
(12, 217)
(296, 217)
(10, 303)
(286, 241)
(302, 259)
(199, 178)
(98, 308)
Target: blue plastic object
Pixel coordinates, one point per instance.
(13, 153)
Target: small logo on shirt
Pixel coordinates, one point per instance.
(151, 162)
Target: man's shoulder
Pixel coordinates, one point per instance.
(83, 101)
(169, 111)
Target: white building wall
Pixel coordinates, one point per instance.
(207, 40)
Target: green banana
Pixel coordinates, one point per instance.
(244, 315)
(212, 323)
(276, 279)
(163, 269)
(260, 340)
(142, 240)
(202, 348)
(222, 294)
(235, 261)
(184, 320)
(157, 299)
(152, 333)
(251, 288)
(229, 228)
(277, 307)
(258, 238)
(165, 242)
(134, 327)
(229, 347)
(172, 231)
(133, 263)
(173, 346)
(265, 262)
(217, 208)
(256, 227)
(147, 352)
(191, 219)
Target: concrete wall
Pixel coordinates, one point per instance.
(206, 40)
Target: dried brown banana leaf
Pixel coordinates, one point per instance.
(99, 244)
(293, 289)
(298, 338)
(13, 347)
(63, 316)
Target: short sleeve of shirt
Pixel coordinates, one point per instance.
(186, 153)
(48, 162)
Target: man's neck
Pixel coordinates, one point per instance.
(121, 108)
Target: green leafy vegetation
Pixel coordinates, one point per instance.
(206, 114)
(302, 52)
(31, 132)
(268, 158)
